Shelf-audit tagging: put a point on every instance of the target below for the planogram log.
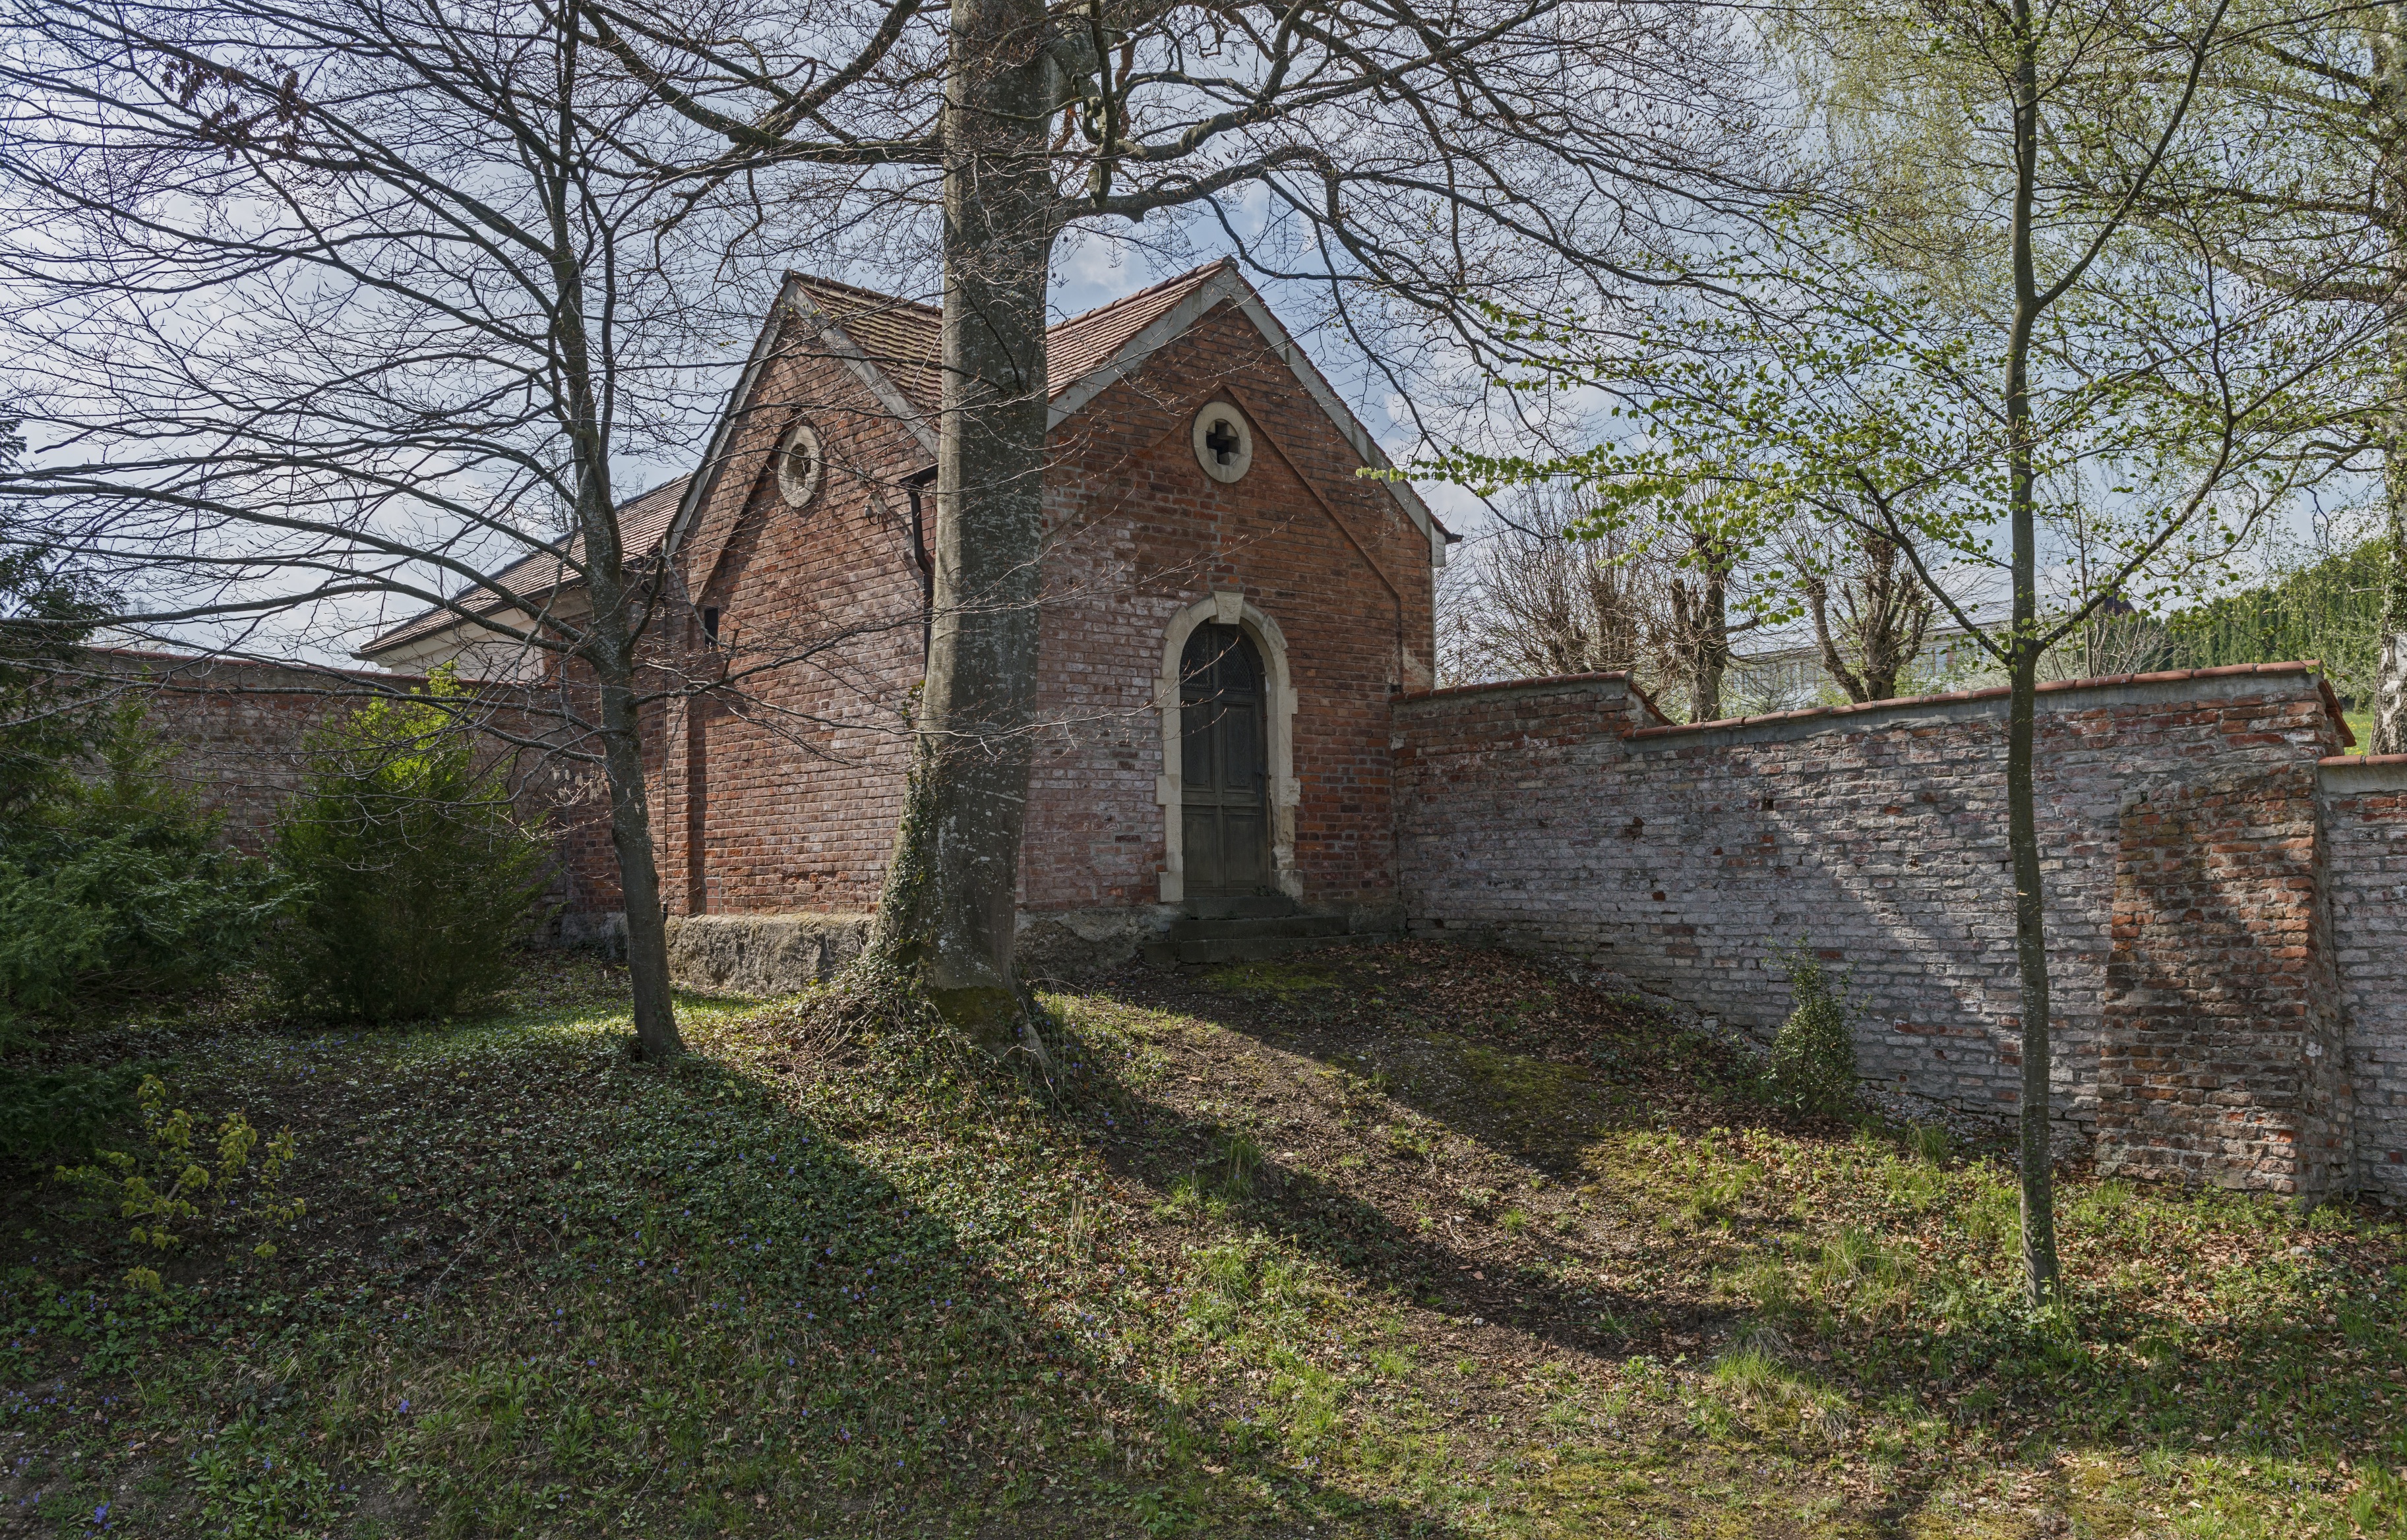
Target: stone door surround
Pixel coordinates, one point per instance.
(1278, 714)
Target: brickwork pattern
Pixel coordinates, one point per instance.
(1137, 533)
(239, 730)
(2365, 834)
(778, 791)
(1543, 816)
(2220, 1043)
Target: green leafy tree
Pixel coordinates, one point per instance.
(48, 612)
(1952, 375)
(110, 882)
(2306, 192)
(413, 876)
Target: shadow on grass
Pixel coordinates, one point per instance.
(542, 1285)
(1350, 1235)
(1535, 1070)
(2297, 1351)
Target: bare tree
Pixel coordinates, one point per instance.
(1883, 614)
(1533, 600)
(325, 309)
(1437, 160)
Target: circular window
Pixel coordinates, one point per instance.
(1224, 445)
(800, 465)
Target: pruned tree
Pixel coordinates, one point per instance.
(1427, 165)
(1533, 600)
(1883, 614)
(1710, 542)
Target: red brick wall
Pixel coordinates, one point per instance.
(2365, 836)
(239, 730)
(802, 753)
(1138, 532)
(1682, 857)
(2221, 1052)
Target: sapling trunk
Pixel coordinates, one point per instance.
(2022, 822)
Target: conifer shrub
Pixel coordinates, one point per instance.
(113, 884)
(62, 1113)
(413, 877)
(1814, 1056)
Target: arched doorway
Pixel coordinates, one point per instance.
(1224, 766)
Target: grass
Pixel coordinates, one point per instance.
(1411, 1241)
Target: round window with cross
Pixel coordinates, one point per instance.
(1224, 445)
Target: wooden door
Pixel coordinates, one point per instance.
(1225, 774)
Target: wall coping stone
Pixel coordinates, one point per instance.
(2355, 772)
(1535, 682)
(186, 666)
(2121, 687)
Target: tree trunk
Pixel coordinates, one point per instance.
(610, 647)
(948, 909)
(2022, 822)
(1702, 616)
(610, 650)
(639, 881)
(2389, 734)
(1817, 598)
(2387, 40)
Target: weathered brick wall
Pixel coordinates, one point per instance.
(236, 728)
(779, 792)
(2365, 835)
(2221, 1053)
(239, 730)
(1682, 857)
(1137, 532)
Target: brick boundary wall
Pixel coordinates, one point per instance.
(1558, 816)
(2364, 804)
(238, 728)
(2219, 1041)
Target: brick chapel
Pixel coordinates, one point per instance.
(1228, 609)
(1236, 715)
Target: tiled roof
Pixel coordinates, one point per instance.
(905, 340)
(643, 523)
(1084, 344)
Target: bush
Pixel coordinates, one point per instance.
(117, 885)
(164, 1187)
(413, 878)
(1813, 1057)
(60, 1114)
